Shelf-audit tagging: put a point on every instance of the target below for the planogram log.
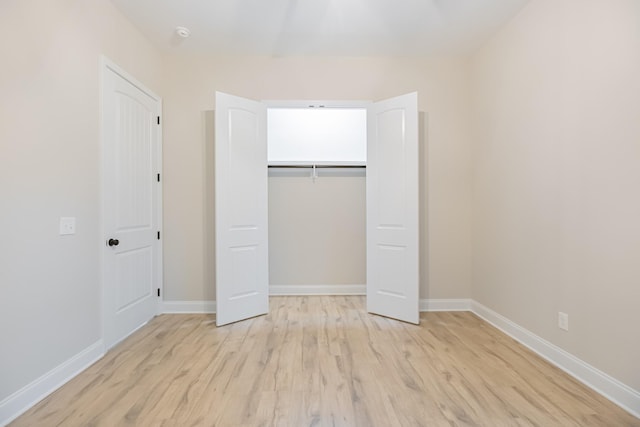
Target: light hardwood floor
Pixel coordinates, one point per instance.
(323, 361)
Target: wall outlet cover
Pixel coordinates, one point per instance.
(563, 321)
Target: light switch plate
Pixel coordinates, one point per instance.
(67, 225)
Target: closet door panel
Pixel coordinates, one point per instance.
(242, 263)
(392, 209)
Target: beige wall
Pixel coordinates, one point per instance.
(317, 230)
(556, 177)
(188, 95)
(50, 167)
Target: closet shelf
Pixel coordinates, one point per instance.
(284, 166)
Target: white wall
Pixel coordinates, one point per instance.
(188, 97)
(557, 177)
(50, 167)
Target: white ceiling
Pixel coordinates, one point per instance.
(320, 27)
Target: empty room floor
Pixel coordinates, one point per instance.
(323, 361)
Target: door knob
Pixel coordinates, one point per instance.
(113, 242)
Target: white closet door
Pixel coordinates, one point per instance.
(242, 268)
(392, 208)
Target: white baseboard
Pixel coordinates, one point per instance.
(619, 393)
(19, 402)
(282, 290)
(461, 304)
(188, 307)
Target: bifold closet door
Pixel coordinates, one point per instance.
(242, 278)
(392, 208)
(242, 265)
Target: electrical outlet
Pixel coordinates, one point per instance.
(67, 225)
(563, 321)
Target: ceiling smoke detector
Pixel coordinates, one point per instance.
(183, 32)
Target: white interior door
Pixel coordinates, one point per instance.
(242, 263)
(392, 208)
(131, 204)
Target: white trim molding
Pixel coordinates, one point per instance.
(293, 290)
(614, 390)
(19, 402)
(188, 307)
(461, 304)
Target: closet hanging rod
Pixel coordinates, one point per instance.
(318, 166)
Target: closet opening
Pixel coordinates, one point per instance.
(316, 155)
(245, 188)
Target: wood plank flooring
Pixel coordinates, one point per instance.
(323, 361)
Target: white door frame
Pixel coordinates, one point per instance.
(107, 65)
